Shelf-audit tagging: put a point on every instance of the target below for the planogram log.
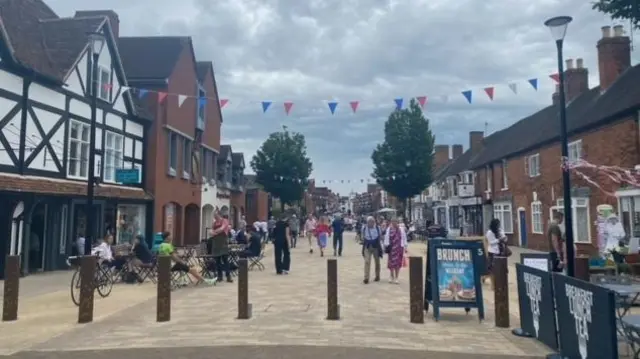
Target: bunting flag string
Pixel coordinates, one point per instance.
(333, 105)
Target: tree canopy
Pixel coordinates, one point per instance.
(282, 167)
(620, 10)
(403, 162)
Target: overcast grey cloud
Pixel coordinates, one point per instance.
(372, 51)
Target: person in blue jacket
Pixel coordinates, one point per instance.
(338, 229)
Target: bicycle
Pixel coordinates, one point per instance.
(103, 280)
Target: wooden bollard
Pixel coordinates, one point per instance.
(501, 291)
(416, 290)
(11, 289)
(244, 307)
(87, 288)
(333, 308)
(163, 310)
(582, 268)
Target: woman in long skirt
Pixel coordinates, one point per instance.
(395, 243)
(322, 232)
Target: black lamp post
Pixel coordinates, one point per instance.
(558, 26)
(96, 41)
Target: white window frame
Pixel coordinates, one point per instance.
(537, 225)
(533, 171)
(201, 111)
(577, 202)
(575, 151)
(186, 158)
(104, 87)
(113, 155)
(499, 209)
(80, 143)
(172, 141)
(505, 183)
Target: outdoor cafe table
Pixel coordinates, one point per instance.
(626, 295)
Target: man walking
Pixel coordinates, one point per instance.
(294, 230)
(556, 243)
(371, 248)
(281, 245)
(338, 230)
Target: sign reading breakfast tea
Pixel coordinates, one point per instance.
(453, 275)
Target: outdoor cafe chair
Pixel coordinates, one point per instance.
(256, 262)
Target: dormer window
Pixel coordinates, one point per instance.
(202, 108)
(104, 83)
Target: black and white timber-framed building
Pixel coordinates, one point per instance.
(45, 114)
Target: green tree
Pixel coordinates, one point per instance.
(403, 162)
(620, 10)
(282, 167)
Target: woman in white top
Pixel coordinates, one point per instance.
(496, 240)
(309, 228)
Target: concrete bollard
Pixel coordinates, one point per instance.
(416, 291)
(582, 268)
(333, 308)
(163, 310)
(244, 307)
(11, 289)
(87, 288)
(501, 291)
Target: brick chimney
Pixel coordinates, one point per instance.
(110, 14)
(614, 55)
(576, 79)
(456, 151)
(441, 156)
(476, 141)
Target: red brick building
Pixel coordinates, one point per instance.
(518, 171)
(256, 200)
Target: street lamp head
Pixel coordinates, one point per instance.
(96, 40)
(558, 26)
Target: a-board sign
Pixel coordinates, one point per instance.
(541, 261)
(537, 308)
(453, 275)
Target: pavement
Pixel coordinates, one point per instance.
(288, 320)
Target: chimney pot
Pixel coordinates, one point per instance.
(456, 151)
(579, 63)
(606, 31)
(618, 31)
(569, 63)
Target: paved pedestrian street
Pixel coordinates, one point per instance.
(288, 312)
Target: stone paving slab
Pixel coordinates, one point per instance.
(291, 310)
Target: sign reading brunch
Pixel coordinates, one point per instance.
(453, 275)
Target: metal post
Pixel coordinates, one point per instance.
(87, 288)
(416, 291)
(244, 307)
(90, 230)
(333, 308)
(566, 176)
(163, 310)
(11, 289)
(501, 291)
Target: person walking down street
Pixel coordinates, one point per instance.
(271, 225)
(495, 239)
(395, 244)
(309, 228)
(282, 244)
(294, 229)
(371, 248)
(220, 246)
(322, 232)
(338, 230)
(555, 235)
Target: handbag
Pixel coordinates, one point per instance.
(405, 262)
(505, 251)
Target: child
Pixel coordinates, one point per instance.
(322, 232)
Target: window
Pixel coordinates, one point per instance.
(113, 148)
(502, 211)
(575, 150)
(536, 217)
(488, 173)
(630, 215)
(533, 165)
(78, 149)
(104, 83)
(186, 158)
(64, 216)
(581, 218)
(505, 184)
(213, 167)
(204, 163)
(454, 217)
(202, 108)
(173, 153)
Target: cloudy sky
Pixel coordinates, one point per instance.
(372, 51)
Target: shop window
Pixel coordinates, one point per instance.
(131, 222)
(503, 212)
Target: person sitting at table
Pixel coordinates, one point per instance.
(254, 246)
(241, 236)
(141, 254)
(179, 265)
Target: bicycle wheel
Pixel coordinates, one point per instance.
(104, 283)
(75, 288)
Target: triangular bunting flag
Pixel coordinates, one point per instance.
(265, 106)
(468, 95)
(162, 96)
(422, 100)
(142, 92)
(332, 107)
(181, 99)
(223, 103)
(354, 105)
(555, 77)
(534, 83)
(514, 88)
(202, 101)
(287, 107)
(398, 102)
(489, 91)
